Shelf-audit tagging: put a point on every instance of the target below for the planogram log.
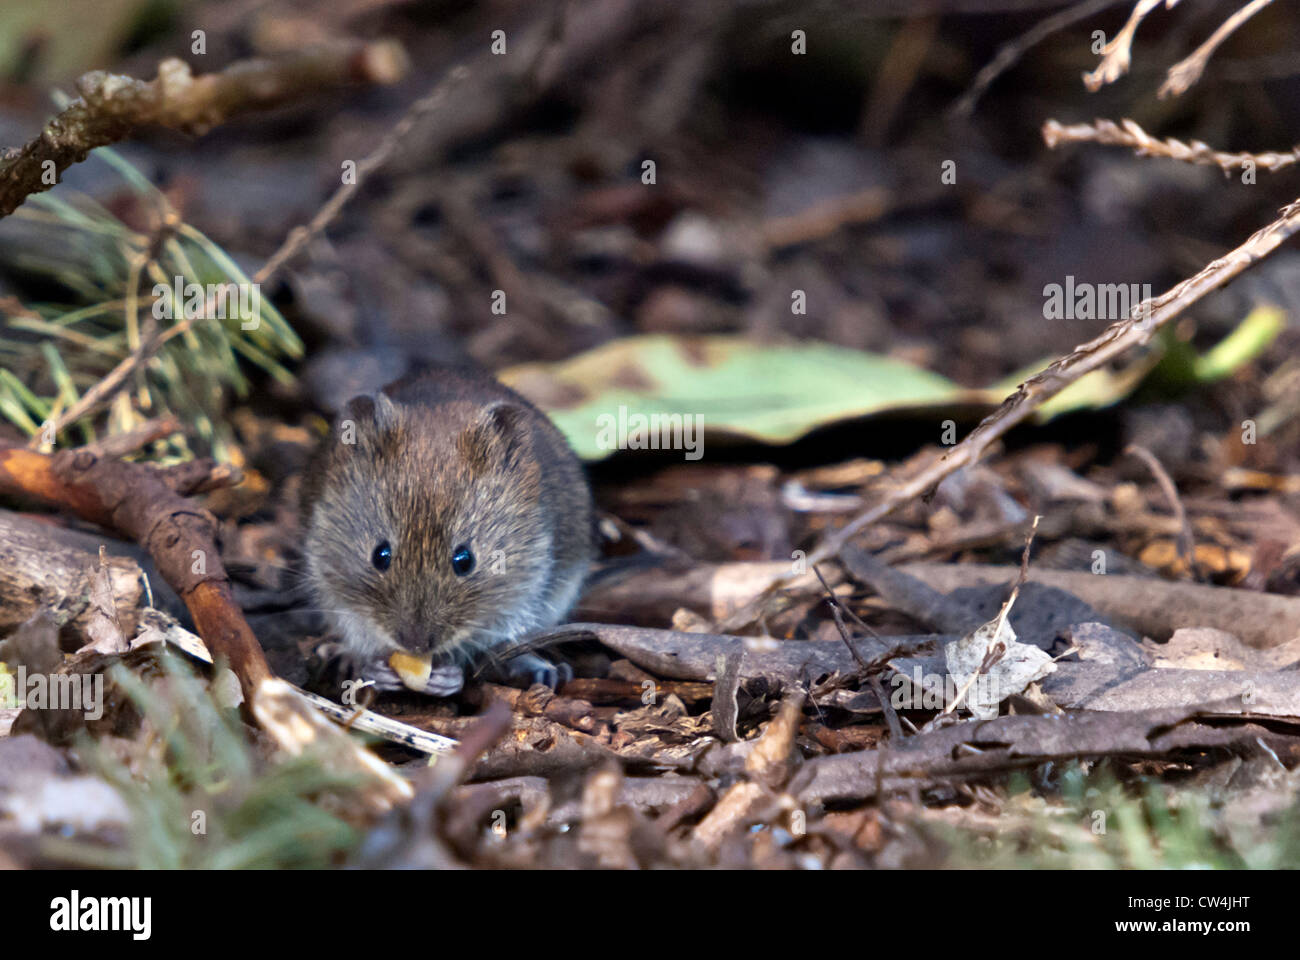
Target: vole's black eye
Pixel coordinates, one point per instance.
(382, 558)
(462, 560)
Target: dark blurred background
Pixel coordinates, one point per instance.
(775, 171)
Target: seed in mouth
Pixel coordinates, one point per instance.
(412, 670)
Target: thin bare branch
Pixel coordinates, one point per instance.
(1116, 340)
(1186, 72)
(98, 396)
(1129, 134)
(1186, 541)
(1009, 53)
(1116, 55)
(112, 106)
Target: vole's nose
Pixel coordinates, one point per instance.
(417, 641)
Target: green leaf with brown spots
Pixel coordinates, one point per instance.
(741, 390)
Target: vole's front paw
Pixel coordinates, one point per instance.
(531, 668)
(445, 681)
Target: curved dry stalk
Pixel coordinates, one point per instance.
(1186, 72)
(112, 106)
(1009, 53)
(1128, 134)
(1117, 55)
(1117, 339)
(299, 236)
(136, 501)
(98, 396)
(1186, 541)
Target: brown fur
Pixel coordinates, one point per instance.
(445, 458)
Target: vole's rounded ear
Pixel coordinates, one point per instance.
(499, 432)
(369, 409)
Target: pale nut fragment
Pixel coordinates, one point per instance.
(412, 670)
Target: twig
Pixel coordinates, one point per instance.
(868, 670)
(1024, 564)
(365, 721)
(1115, 56)
(1149, 316)
(962, 751)
(129, 441)
(1137, 330)
(1129, 134)
(839, 622)
(200, 476)
(887, 707)
(1185, 540)
(299, 236)
(112, 106)
(103, 392)
(837, 611)
(991, 656)
(133, 499)
(1186, 72)
(1009, 53)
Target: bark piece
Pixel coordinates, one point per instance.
(1153, 607)
(970, 750)
(693, 656)
(36, 573)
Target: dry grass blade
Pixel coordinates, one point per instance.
(1009, 54)
(1186, 537)
(1117, 55)
(1112, 343)
(1186, 72)
(98, 396)
(1129, 134)
(299, 236)
(1117, 339)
